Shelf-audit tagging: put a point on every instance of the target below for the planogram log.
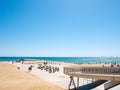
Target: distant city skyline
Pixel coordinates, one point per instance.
(64, 28)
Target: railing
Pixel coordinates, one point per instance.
(93, 70)
(96, 73)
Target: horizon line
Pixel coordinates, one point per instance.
(59, 56)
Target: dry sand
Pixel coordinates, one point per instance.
(13, 79)
(57, 78)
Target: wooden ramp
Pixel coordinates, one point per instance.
(110, 84)
(97, 73)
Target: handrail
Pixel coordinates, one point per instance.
(93, 70)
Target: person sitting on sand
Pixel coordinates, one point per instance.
(112, 65)
(29, 68)
(118, 65)
(18, 67)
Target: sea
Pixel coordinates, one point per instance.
(75, 60)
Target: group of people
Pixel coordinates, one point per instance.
(50, 69)
(113, 65)
(46, 67)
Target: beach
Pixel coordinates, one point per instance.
(13, 79)
(16, 76)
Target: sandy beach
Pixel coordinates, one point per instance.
(15, 76)
(13, 79)
(59, 44)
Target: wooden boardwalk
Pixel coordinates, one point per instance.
(96, 73)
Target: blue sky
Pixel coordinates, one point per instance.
(59, 27)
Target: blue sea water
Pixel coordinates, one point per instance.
(77, 60)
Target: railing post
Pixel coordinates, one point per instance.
(77, 82)
(71, 82)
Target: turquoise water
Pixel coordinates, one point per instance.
(77, 60)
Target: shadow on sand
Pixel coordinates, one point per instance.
(90, 85)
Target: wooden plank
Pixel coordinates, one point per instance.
(107, 73)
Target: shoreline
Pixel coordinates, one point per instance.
(61, 62)
(73, 60)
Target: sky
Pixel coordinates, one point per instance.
(70, 28)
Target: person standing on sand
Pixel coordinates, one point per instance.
(29, 68)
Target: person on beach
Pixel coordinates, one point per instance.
(18, 67)
(50, 70)
(112, 65)
(29, 68)
(118, 65)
